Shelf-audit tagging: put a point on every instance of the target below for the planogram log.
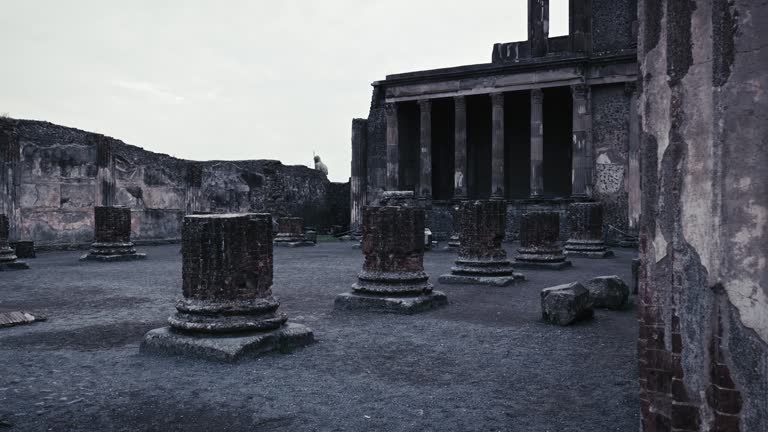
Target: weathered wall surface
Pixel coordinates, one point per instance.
(613, 25)
(703, 346)
(60, 181)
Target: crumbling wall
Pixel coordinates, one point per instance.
(59, 187)
(703, 346)
(613, 25)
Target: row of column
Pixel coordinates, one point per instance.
(580, 161)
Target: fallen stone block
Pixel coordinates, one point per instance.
(10, 319)
(566, 304)
(608, 292)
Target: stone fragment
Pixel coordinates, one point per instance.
(227, 311)
(10, 319)
(566, 304)
(540, 242)
(585, 222)
(112, 236)
(393, 278)
(482, 260)
(8, 258)
(24, 249)
(290, 233)
(608, 292)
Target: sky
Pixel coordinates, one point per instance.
(235, 79)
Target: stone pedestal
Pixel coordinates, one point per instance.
(482, 260)
(228, 310)
(8, 258)
(585, 222)
(539, 242)
(290, 232)
(393, 278)
(24, 249)
(112, 236)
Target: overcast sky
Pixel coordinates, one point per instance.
(235, 79)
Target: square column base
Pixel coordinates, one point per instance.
(383, 304)
(225, 348)
(15, 265)
(113, 258)
(543, 265)
(499, 281)
(585, 254)
(302, 243)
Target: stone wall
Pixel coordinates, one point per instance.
(703, 286)
(60, 181)
(613, 25)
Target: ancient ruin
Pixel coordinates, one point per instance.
(290, 233)
(585, 231)
(393, 278)
(8, 258)
(540, 242)
(228, 310)
(482, 260)
(112, 239)
(565, 304)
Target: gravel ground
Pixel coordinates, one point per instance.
(486, 362)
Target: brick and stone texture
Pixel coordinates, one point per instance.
(585, 230)
(481, 226)
(112, 237)
(393, 277)
(703, 287)
(290, 232)
(8, 258)
(540, 241)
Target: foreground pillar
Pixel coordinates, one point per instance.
(290, 232)
(482, 259)
(539, 242)
(393, 278)
(585, 222)
(228, 310)
(112, 236)
(8, 259)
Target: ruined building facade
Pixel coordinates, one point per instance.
(549, 121)
(51, 177)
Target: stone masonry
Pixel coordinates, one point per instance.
(482, 259)
(113, 236)
(290, 232)
(8, 259)
(539, 242)
(393, 277)
(585, 223)
(228, 310)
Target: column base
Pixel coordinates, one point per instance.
(464, 279)
(589, 254)
(298, 243)
(390, 304)
(24, 249)
(542, 265)
(227, 347)
(113, 258)
(587, 249)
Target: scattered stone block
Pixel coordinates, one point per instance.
(10, 319)
(540, 242)
(566, 304)
(112, 236)
(585, 222)
(291, 233)
(228, 311)
(8, 258)
(393, 278)
(608, 292)
(24, 249)
(482, 260)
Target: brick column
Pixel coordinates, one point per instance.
(227, 265)
(460, 146)
(580, 157)
(537, 143)
(112, 236)
(393, 147)
(540, 242)
(358, 179)
(497, 147)
(425, 178)
(585, 223)
(105, 176)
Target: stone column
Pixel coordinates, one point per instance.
(537, 143)
(393, 147)
(482, 258)
(538, 26)
(194, 178)
(425, 178)
(358, 180)
(105, 176)
(112, 236)
(227, 286)
(290, 232)
(8, 260)
(585, 223)
(497, 147)
(581, 174)
(540, 242)
(460, 146)
(633, 172)
(393, 277)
